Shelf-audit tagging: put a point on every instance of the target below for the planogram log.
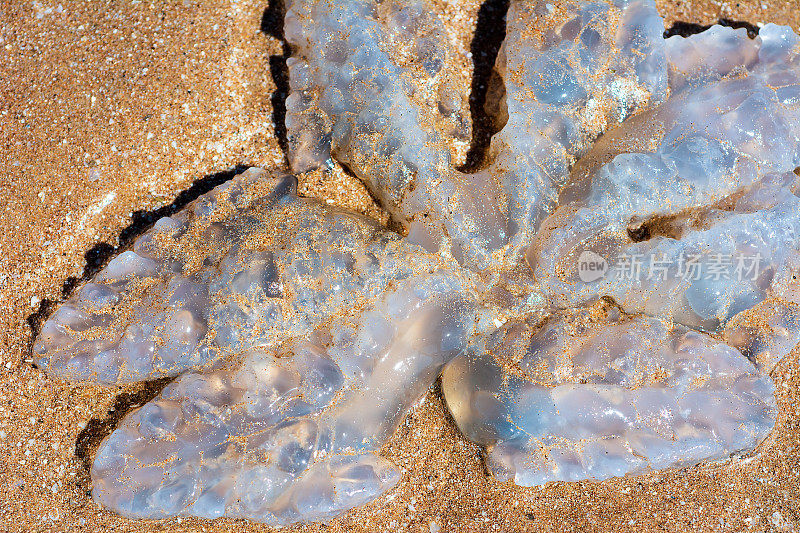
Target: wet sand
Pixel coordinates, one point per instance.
(114, 114)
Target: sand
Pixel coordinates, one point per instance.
(109, 113)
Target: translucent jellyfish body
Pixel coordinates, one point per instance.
(606, 295)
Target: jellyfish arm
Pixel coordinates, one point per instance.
(624, 395)
(146, 314)
(569, 71)
(371, 89)
(289, 434)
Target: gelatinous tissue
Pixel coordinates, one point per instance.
(606, 295)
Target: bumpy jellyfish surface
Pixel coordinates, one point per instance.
(605, 296)
(300, 335)
(600, 396)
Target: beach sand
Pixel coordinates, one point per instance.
(115, 113)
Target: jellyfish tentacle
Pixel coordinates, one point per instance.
(233, 443)
(288, 433)
(377, 98)
(721, 52)
(599, 397)
(570, 71)
(248, 264)
(708, 174)
(699, 268)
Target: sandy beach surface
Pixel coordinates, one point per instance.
(115, 113)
